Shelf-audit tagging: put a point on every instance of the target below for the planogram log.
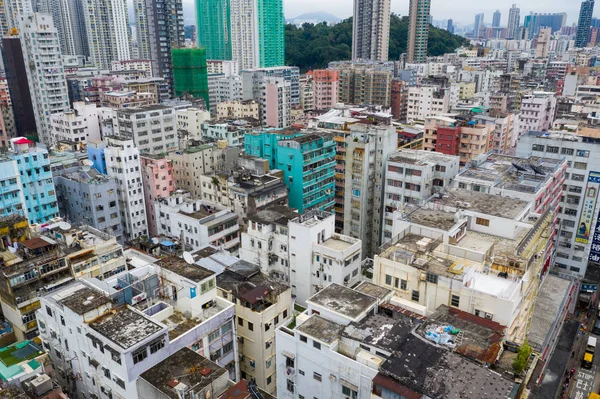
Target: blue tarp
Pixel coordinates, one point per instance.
(167, 243)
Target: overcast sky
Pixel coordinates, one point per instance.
(460, 10)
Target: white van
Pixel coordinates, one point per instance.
(591, 345)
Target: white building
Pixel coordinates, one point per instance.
(107, 27)
(78, 125)
(411, 177)
(152, 128)
(197, 223)
(275, 102)
(537, 112)
(426, 101)
(244, 33)
(302, 250)
(132, 65)
(578, 203)
(45, 73)
(223, 88)
(227, 68)
(191, 120)
(123, 162)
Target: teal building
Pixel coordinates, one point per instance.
(214, 28)
(271, 36)
(306, 160)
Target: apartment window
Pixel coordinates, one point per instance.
(157, 345)
(240, 321)
(455, 300)
(482, 222)
(106, 372)
(537, 147)
(316, 345)
(576, 177)
(213, 336)
(551, 149)
(290, 386)
(303, 338)
(574, 269)
(580, 165)
(432, 278)
(269, 380)
(250, 326)
(317, 377)
(388, 279)
(583, 153)
(567, 151)
(120, 382)
(285, 313)
(348, 392)
(228, 347)
(415, 296)
(139, 355)
(225, 328)
(49, 311)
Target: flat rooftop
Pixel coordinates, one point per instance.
(194, 272)
(421, 157)
(381, 331)
(373, 290)
(182, 367)
(437, 219)
(488, 204)
(322, 329)
(84, 300)
(342, 300)
(337, 244)
(125, 327)
(278, 215)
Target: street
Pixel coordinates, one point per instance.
(585, 381)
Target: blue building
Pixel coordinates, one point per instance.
(307, 162)
(95, 150)
(37, 184)
(12, 200)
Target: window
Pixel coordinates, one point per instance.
(106, 372)
(403, 284)
(240, 321)
(250, 326)
(49, 311)
(553, 150)
(290, 386)
(139, 355)
(303, 338)
(432, 278)
(537, 147)
(415, 296)
(213, 336)
(120, 382)
(388, 279)
(285, 314)
(157, 345)
(352, 394)
(580, 165)
(483, 222)
(317, 377)
(455, 300)
(225, 328)
(228, 347)
(317, 345)
(567, 151)
(583, 153)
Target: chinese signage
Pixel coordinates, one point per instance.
(587, 212)
(595, 247)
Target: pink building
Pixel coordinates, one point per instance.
(157, 176)
(325, 88)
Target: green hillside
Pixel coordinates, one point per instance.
(314, 46)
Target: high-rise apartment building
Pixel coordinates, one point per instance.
(418, 30)
(478, 24)
(450, 26)
(535, 21)
(189, 75)
(325, 84)
(257, 37)
(158, 179)
(584, 23)
(364, 84)
(214, 28)
(512, 29)
(371, 30)
(165, 32)
(107, 27)
(14, 9)
(45, 74)
(496, 19)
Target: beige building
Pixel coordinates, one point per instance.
(238, 110)
(127, 99)
(190, 165)
(261, 306)
(191, 120)
(371, 30)
(474, 141)
(364, 85)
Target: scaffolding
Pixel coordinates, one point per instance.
(190, 73)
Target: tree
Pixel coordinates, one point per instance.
(522, 358)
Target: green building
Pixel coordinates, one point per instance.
(190, 73)
(271, 37)
(214, 28)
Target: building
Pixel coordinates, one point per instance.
(123, 162)
(227, 131)
(305, 253)
(574, 244)
(542, 45)
(450, 26)
(47, 82)
(36, 178)
(164, 32)
(253, 81)
(227, 68)
(190, 121)
(153, 128)
(189, 73)
(325, 87)
(418, 30)
(214, 28)
(364, 84)
(478, 24)
(247, 109)
(77, 125)
(426, 101)
(86, 197)
(496, 19)
(139, 334)
(257, 37)
(537, 112)
(159, 182)
(259, 302)
(275, 102)
(412, 177)
(223, 88)
(107, 29)
(535, 21)
(133, 65)
(583, 24)
(197, 223)
(307, 162)
(371, 30)
(13, 201)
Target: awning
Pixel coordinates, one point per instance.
(23, 140)
(289, 355)
(167, 243)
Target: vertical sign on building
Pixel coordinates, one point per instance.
(587, 212)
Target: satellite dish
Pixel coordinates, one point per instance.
(86, 165)
(64, 226)
(519, 167)
(188, 257)
(537, 170)
(154, 240)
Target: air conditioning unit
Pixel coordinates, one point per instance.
(240, 339)
(489, 316)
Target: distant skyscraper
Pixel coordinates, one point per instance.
(418, 30)
(478, 24)
(450, 26)
(165, 31)
(13, 9)
(512, 29)
(257, 33)
(496, 19)
(107, 27)
(584, 23)
(214, 28)
(371, 29)
(535, 21)
(69, 23)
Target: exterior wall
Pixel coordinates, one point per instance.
(426, 101)
(191, 121)
(234, 136)
(325, 88)
(190, 164)
(13, 202)
(95, 152)
(371, 30)
(273, 260)
(153, 129)
(144, 65)
(78, 125)
(418, 30)
(106, 24)
(238, 110)
(474, 141)
(158, 179)
(537, 113)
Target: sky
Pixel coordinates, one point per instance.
(459, 10)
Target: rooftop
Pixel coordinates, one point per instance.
(194, 273)
(185, 367)
(322, 329)
(381, 331)
(145, 108)
(373, 290)
(125, 327)
(421, 157)
(338, 244)
(278, 215)
(487, 204)
(83, 300)
(345, 301)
